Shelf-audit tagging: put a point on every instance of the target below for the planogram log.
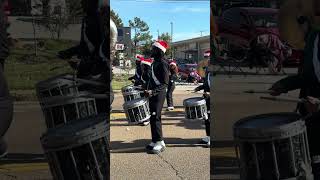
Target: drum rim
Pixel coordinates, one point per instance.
(69, 136)
(277, 132)
(131, 93)
(127, 87)
(201, 101)
(55, 101)
(40, 84)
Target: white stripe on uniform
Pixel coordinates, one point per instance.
(154, 76)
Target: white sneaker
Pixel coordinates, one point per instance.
(170, 108)
(158, 147)
(208, 144)
(146, 123)
(206, 139)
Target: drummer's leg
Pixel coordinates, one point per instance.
(171, 88)
(313, 126)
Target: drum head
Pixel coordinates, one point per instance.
(195, 101)
(134, 103)
(269, 125)
(53, 80)
(76, 133)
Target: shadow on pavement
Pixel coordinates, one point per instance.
(138, 146)
(23, 158)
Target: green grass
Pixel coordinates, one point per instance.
(23, 70)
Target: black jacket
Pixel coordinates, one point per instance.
(160, 71)
(4, 43)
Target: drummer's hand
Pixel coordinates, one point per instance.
(147, 93)
(196, 89)
(312, 104)
(276, 89)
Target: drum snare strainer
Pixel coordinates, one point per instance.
(195, 108)
(137, 110)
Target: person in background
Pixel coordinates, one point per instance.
(156, 92)
(173, 77)
(6, 101)
(206, 95)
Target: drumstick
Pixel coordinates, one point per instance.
(294, 100)
(258, 91)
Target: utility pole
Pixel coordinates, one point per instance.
(158, 35)
(171, 40)
(201, 33)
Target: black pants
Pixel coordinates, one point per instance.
(6, 105)
(171, 87)
(207, 121)
(313, 126)
(156, 104)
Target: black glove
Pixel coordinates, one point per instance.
(277, 89)
(64, 54)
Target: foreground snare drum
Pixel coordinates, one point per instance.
(62, 109)
(129, 96)
(79, 150)
(273, 146)
(195, 108)
(137, 110)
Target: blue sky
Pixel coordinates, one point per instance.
(189, 18)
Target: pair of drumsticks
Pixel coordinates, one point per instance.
(282, 99)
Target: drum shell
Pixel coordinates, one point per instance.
(133, 109)
(127, 89)
(195, 108)
(62, 109)
(77, 146)
(273, 152)
(129, 96)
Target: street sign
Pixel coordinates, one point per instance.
(119, 47)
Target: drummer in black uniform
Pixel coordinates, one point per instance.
(156, 92)
(93, 51)
(6, 102)
(173, 77)
(206, 94)
(137, 76)
(308, 81)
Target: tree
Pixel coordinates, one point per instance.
(116, 18)
(166, 37)
(141, 33)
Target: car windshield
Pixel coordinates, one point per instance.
(265, 20)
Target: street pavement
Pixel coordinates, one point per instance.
(183, 158)
(231, 104)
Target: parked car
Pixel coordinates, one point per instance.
(185, 70)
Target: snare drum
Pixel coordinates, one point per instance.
(57, 86)
(195, 108)
(61, 109)
(79, 150)
(137, 110)
(129, 96)
(273, 146)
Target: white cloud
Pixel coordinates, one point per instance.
(189, 9)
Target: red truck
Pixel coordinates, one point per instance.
(239, 26)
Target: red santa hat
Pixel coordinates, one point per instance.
(161, 45)
(207, 53)
(172, 62)
(147, 61)
(139, 58)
